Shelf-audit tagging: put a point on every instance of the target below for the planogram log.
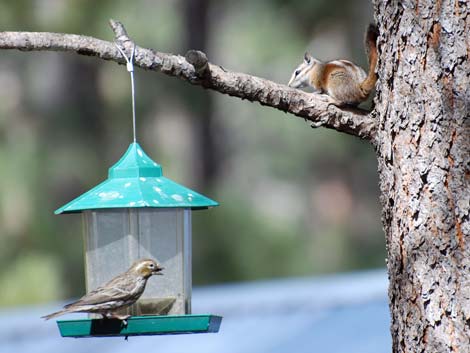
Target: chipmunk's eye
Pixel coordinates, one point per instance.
(296, 72)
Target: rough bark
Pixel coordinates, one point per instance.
(353, 121)
(423, 148)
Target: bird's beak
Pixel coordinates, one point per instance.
(158, 270)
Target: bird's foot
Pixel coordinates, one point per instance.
(123, 318)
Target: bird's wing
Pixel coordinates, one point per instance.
(119, 288)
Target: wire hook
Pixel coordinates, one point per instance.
(130, 69)
(129, 61)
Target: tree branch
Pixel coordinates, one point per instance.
(195, 69)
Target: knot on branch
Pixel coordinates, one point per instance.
(122, 38)
(200, 62)
(119, 30)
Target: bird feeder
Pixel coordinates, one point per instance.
(138, 213)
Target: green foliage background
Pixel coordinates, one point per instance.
(294, 201)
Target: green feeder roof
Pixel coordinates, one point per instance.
(137, 181)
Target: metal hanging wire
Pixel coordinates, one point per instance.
(130, 69)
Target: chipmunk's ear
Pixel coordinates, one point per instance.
(307, 57)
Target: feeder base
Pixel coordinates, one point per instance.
(140, 325)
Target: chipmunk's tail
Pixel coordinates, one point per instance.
(371, 47)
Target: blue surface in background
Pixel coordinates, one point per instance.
(344, 313)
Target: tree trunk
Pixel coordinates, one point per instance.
(206, 152)
(423, 148)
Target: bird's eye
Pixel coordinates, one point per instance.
(151, 265)
(297, 72)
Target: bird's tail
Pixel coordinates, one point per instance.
(57, 313)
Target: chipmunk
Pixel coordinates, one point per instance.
(341, 82)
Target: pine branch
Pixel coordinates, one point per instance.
(196, 69)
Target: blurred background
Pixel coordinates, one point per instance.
(294, 201)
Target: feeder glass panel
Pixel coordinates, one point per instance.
(116, 238)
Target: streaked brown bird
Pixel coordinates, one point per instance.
(122, 291)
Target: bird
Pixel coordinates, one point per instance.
(120, 292)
